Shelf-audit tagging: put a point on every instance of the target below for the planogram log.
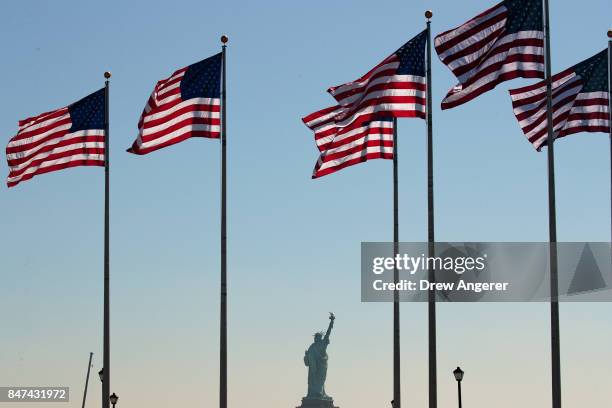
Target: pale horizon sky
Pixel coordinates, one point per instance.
(293, 242)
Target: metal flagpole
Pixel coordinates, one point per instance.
(397, 402)
(106, 357)
(610, 113)
(223, 320)
(87, 380)
(552, 225)
(431, 309)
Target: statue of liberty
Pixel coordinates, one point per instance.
(315, 359)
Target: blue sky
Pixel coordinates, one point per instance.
(293, 242)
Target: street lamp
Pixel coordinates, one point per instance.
(113, 399)
(458, 373)
(101, 374)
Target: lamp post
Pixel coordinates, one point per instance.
(101, 374)
(113, 399)
(458, 373)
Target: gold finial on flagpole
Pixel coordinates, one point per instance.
(224, 39)
(107, 74)
(610, 33)
(428, 14)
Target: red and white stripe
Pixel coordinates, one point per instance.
(345, 142)
(482, 55)
(167, 119)
(43, 144)
(382, 90)
(573, 111)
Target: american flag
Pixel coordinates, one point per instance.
(396, 86)
(343, 143)
(580, 100)
(360, 127)
(187, 104)
(67, 137)
(502, 43)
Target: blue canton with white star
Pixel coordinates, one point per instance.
(202, 79)
(594, 72)
(524, 15)
(88, 113)
(412, 56)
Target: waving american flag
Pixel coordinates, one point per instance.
(184, 105)
(580, 100)
(66, 137)
(500, 44)
(360, 127)
(396, 86)
(343, 143)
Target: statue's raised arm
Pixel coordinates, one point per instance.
(331, 324)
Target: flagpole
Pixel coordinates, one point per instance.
(223, 320)
(87, 380)
(610, 113)
(431, 309)
(552, 225)
(397, 402)
(106, 347)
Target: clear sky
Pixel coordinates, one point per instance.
(293, 242)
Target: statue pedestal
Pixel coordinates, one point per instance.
(317, 403)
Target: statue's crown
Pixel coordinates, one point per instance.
(320, 334)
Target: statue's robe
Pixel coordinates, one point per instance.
(316, 360)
